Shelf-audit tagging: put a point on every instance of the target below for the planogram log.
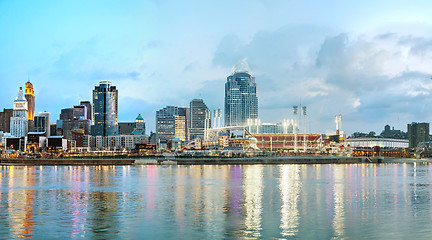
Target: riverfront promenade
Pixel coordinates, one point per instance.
(189, 161)
(211, 161)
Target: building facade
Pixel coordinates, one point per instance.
(416, 133)
(198, 116)
(19, 120)
(89, 108)
(241, 101)
(42, 123)
(105, 110)
(30, 97)
(172, 122)
(5, 117)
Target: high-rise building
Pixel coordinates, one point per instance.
(169, 124)
(66, 113)
(19, 120)
(105, 110)
(42, 123)
(198, 111)
(417, 132)
(241, 101)
(80, 112)
(30, 97)
(5, 117)
(47, 116)
(89, 108)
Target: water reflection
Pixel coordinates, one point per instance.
(252, 190)
(339, 202)
(289, 187)
(216, 202)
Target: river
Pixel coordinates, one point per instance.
(373, 201)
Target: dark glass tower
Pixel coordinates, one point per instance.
(105, 110)
(241, 101)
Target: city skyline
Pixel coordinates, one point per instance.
(368, 61)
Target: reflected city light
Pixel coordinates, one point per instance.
(252, 190)
(215, 202)
(289, 187)
(339, 202)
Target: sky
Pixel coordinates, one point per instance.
(370, 61)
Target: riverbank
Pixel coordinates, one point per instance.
(36, 162)
(213, 161)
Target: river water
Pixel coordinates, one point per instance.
(386, 201)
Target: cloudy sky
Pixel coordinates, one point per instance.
(370, 61)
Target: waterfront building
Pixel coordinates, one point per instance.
(289, 142)
(5, 117)
(416, 133)
(42, 123)
(36, 141)
(372, 142)
(19, 120)
(241, 101)
(30, 97)
(105, 110)
(114, 143)
(172, 122)
(198, 112)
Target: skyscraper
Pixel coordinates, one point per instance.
(42, 123)
(89, 107)
(5, 118)
(241, 101)
(29, 95)
(19, 120)
(171, 122)
(198, 111)
(105, 110)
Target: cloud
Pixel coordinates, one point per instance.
(367, 78)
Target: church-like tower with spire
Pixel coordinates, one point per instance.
(19, 120)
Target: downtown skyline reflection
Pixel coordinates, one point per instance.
(251, 201)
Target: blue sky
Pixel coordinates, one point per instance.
(367, 60)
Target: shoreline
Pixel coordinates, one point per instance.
(210, 161)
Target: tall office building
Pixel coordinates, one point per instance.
(42, 123)
(198, 111)
(105, 110)
(172, 122)
(417, 132)
(19, 120)
(5, 117)
(89, 108)
(29, 95)
(241, 101)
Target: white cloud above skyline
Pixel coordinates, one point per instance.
(369, 61)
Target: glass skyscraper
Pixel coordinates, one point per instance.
(198, 111)
(105, 110)
(241, 101)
